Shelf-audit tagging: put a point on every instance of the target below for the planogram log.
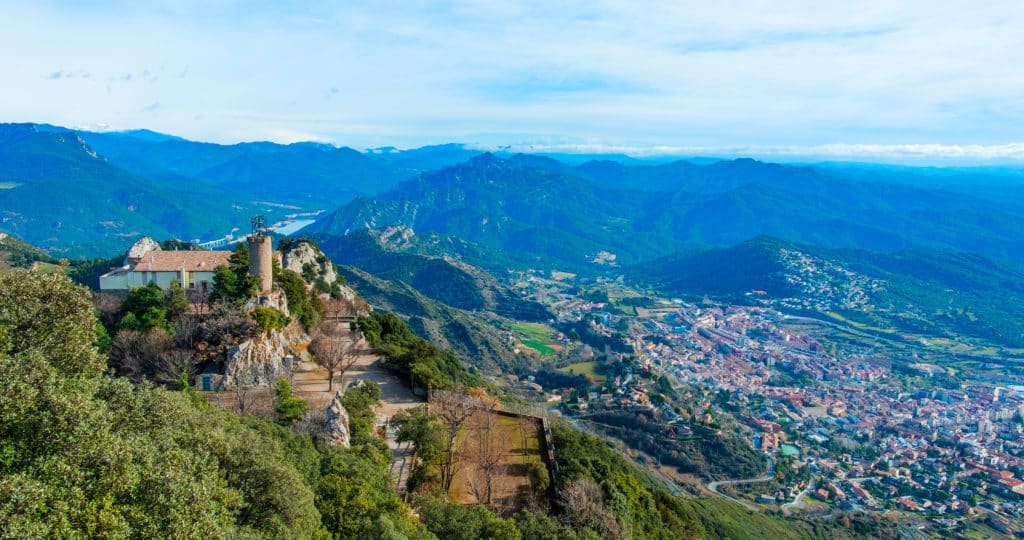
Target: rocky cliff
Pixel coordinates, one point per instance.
(261, 361)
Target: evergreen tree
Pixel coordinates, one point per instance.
(176, 301)
(233, 282)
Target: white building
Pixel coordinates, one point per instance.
(146, 263)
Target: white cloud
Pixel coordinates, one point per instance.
(925, 153)
(755, 74)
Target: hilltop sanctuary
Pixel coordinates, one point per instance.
(147, 263)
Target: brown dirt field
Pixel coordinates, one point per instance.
(512, 488)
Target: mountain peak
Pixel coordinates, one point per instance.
(485, 159)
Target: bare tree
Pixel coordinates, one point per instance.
(360, 307)
(453, 409)
(108, 306)
(187, 331)
(174, 366)
(246, 397)
(487, 449)
(201, 303)
(335, 308)
(312, 423)
(136, 355)
(334, 351)
(584, 505)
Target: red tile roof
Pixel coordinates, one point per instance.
(173, 261)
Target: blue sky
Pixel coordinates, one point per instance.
(926, 79)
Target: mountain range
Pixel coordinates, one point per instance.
(79, 193)
(394, 255)
(543, 212)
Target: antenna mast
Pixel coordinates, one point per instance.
(259, 226)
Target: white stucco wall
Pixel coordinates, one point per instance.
(123, 279)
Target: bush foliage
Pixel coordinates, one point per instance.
(83, 455)
(414, 357)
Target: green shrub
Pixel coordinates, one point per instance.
(268, 318)
(288, 408)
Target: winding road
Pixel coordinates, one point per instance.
(768, 475)
(799, 502)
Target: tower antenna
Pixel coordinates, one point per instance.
(259, 226)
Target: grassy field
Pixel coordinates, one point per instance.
(543, 348)
(48, 268)
(538, 337)
(859, 325)
(587, 369)
(520, 444)
(628, 310)
(535, 331)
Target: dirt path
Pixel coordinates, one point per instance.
(310, 382)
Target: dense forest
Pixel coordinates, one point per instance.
(88, 455)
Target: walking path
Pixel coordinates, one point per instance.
(401, 466)
(310, 382)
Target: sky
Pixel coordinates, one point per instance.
(873, 80)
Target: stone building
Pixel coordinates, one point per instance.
(147, 263)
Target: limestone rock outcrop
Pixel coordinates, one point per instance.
(259, 362)
(309, 262)
(335, 430)
(141, 247)
(306, 259)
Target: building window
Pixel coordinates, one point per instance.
(204, 286)
(192, 285)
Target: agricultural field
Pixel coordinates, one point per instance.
(625, 309)
(587, 369)
(515, 444)
(538, 337)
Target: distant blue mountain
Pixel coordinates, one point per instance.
(548, 211)
(64, 197)
(90, 193)
(85, 193)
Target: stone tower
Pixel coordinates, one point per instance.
(261, 255)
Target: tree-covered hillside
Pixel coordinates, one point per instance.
(938, 294)
(446, 280)
(543, 213)
(83, 455)
(60, 195)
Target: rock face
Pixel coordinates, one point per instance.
(275, 299)
(260, 361)
(141, 247)
(306, 259)
(335, 431)
(309, 262)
